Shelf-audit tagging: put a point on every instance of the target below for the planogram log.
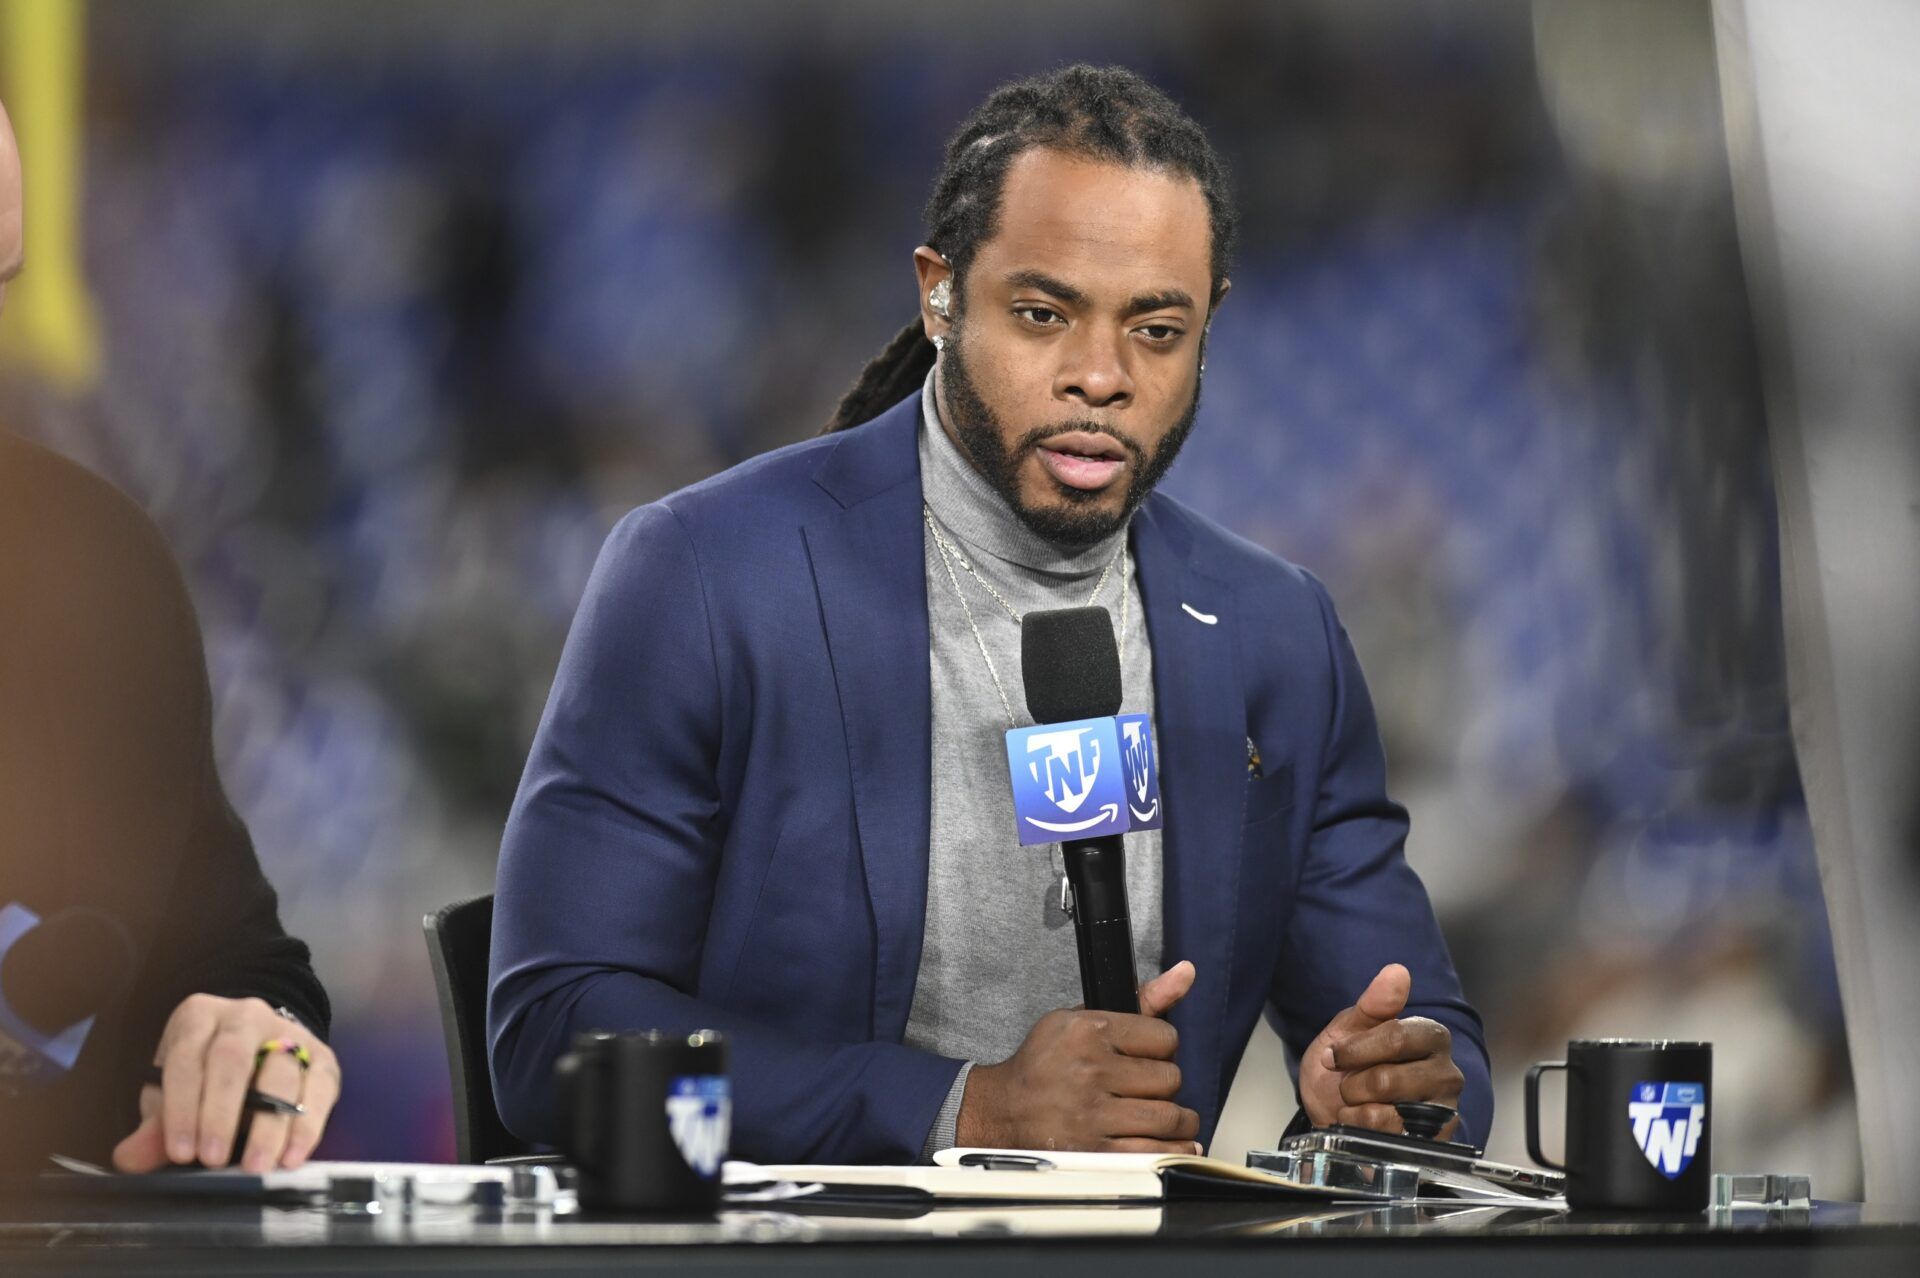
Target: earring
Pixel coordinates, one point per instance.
(939, 344)
(940, 298)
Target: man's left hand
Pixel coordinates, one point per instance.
(1368, 1057)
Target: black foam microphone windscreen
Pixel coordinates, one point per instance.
(66, 969)
(1070, 664)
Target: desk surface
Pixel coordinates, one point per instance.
(83, 1234)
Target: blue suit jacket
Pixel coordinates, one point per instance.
(723, 822)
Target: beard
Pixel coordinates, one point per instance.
(1077, 523)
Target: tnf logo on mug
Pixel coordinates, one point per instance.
(1667, 1121)
(699, 1112)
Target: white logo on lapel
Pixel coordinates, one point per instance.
(1204, 618)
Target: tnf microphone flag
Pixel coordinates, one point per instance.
(1141, 770)
(1084, 779)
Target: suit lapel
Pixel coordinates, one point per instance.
(1200, 729)
(869, 567)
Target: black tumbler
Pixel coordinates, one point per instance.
(1638, 1138)
(646, 1119)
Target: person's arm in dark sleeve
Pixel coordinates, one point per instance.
(1360, 906)
(221, 932)
(218, 931)
(117, 804)
(221, 937)
(607, 875)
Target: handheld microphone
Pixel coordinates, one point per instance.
(1070, 664)
(55, 976)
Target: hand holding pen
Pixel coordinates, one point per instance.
(234, 1080)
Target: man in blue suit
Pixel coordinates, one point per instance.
(769, 793)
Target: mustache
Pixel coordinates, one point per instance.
(1041, 434)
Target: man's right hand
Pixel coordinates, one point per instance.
(1088, 1081)
(208, 1054)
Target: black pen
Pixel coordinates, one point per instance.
(258, 1102)
(1005, 1162)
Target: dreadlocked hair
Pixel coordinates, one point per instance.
(1103, 113)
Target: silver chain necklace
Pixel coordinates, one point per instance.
(948, 554)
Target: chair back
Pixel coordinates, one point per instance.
(459, 937)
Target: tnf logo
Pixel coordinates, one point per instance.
(1668, 1119)
(1142, 771)
(699, 1115)
(1064, 765)
(1066, 782)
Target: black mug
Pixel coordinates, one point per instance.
(1638, 1136)
(646, 1120)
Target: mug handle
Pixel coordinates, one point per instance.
(1533, 1114)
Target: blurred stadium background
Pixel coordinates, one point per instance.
(387, 311)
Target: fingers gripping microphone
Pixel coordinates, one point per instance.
(1071, 667)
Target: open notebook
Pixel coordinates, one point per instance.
(1039, 1178)
(1027, 1176)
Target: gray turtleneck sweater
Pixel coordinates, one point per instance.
(998, 953)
